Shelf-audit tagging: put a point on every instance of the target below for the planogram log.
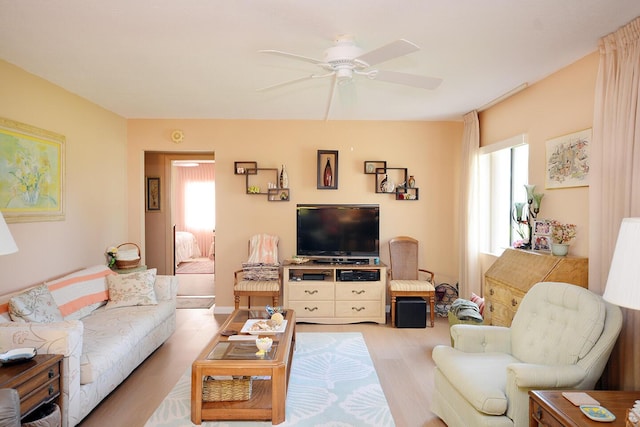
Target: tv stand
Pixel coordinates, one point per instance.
(331, 293)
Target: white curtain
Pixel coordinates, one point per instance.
(469, 273)
(615, 180)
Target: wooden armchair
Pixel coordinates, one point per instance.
(405, 276)
(261, 275)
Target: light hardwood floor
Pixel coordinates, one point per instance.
(402, 358)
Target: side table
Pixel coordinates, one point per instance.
(38, 381)
(550, 408)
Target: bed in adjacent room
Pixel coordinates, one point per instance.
(186, 246)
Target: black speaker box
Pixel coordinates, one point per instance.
(411, 312)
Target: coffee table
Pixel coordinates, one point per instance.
(224, 356)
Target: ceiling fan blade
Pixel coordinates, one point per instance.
(288, 82)
(292, 56)
(406, 79)
(334, 83)
(385, 53)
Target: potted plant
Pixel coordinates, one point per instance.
(561, 237)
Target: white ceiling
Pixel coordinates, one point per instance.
(199, 58)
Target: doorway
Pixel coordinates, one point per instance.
(180, 236)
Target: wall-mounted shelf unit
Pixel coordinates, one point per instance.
(278, 194)
(407, 193)
(370, 166)
(243, 168)
(395, 176)
(263, 181)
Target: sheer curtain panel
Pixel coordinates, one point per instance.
(470, 280)
(615, 181)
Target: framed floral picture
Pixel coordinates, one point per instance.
(153, 194)
(568, 160)
(32, 176)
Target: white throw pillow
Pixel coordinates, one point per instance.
(131, 289)
(34, 305)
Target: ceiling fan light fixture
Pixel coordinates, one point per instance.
(344, 75)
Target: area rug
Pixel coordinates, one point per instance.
(195, 301)
(333, 383)
(196, 266)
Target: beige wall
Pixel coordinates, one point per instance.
(105, 173)
(558, 105)
(96, 183)
(429, 150)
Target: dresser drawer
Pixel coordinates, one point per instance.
(312, 308)
(309, 291)
(358, 308)
(42, 394)
(359, 291)
(45, 376)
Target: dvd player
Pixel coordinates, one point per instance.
(364, 275)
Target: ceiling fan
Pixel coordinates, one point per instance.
(345, 60)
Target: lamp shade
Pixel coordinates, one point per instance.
(7, 244)
(623, 284)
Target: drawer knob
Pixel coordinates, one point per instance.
(491, 308)
(311, 292)
(51, 373)
(360, 292)
(358, 309)
(514, 302)
(538, 413)
(491, 291)
(51, 390)
(311, 308)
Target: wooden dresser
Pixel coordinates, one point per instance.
(516, 271)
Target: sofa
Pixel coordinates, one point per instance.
(104, 324)
(560, 338)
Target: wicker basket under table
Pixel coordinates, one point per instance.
(226, 390)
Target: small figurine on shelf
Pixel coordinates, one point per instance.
(412, 182)
(284, 178)
(328, 175)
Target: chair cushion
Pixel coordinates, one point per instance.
(257, 286)
(411, 286)
(557, 324)
(479, 377)
(260, 271)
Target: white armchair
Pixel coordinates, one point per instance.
(560, 338)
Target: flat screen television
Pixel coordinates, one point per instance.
(339, 232)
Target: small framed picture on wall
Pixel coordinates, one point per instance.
(153, 193)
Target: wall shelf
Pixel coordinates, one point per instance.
(261, 181)
(243, 168)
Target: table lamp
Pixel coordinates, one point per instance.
(7, 244)
(623, 283)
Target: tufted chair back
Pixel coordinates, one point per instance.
(557, 325)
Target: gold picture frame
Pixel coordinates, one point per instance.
(32, 178)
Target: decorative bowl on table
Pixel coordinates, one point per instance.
(264, 344)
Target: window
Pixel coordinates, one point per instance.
(504, 170)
